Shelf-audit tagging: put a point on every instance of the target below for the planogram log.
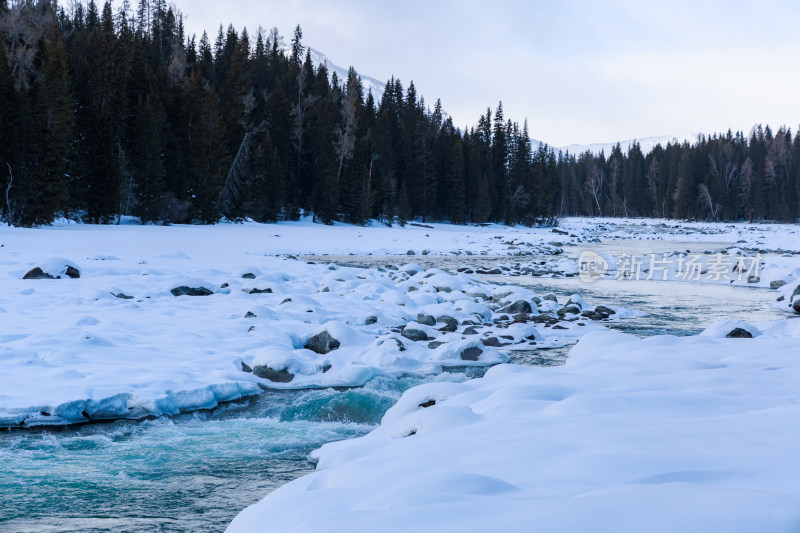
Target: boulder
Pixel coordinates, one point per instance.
(471, 354)
(38, 273)
(777, 284)
(249, 275)
(250, 314)
(183, 290)
(450, 323)
(427, 320)
(322, 343)
(371, 320)
(567, 309)
(470, 331)
(520, 306)
(278, 376)
(551, 297)
(494, 342)
(796, 305)
(739, 333)
(434, 344)
(414, 334)
(260, 291)
(605, 310)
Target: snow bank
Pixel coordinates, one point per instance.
(164, 320)
(659, 434)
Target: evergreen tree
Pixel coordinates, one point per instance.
(147, 134)
(45, 194)
(686, 192)
(9, 133)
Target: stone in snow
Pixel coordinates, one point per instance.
(183, 290)
(38, 273)
(520, 306)
(322, 343)
(739, 333)
(414, 334)
(278, 376)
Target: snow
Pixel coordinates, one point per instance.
(371, 85)
(646, 144)
(125, 340)
(658, 434)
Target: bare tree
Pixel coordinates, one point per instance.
(594, 184)
(26, 25)
(708, 202)
(777, 159)
(346, 136)
(232, 188)
(9, 212)
(299, 110)
(519, 200)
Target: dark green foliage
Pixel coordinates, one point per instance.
(44, 193)
(105, 114)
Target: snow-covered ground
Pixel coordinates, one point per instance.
(125, 340)
(659, 434)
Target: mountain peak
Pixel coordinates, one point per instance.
(371, 85)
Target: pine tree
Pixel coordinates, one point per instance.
(686, 192)
(46, 192)
(147, 140)
(9, 135)
(101, 121)
(206, 159)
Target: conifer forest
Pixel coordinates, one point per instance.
(108, 112)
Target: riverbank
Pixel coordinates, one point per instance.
(659, 434)
(104, 322)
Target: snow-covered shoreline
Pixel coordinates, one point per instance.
(169, 320)
(657, 434)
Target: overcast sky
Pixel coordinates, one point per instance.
(579, 71)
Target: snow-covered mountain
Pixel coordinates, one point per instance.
(376, 87)
(646, 144)
(371, 85)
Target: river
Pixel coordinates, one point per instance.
(194, 472)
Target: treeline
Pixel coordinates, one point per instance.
(722, 177)
(107, 113)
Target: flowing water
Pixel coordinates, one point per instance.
(194, 472)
